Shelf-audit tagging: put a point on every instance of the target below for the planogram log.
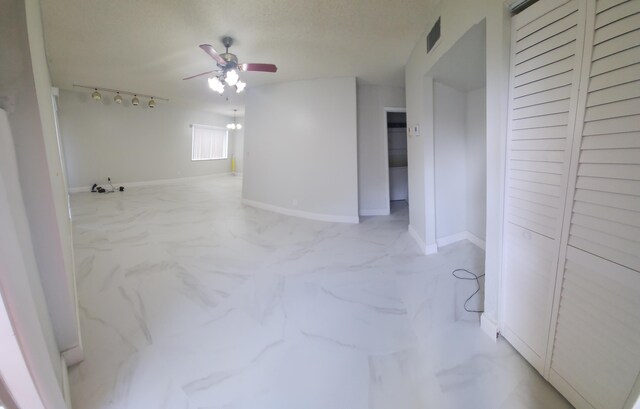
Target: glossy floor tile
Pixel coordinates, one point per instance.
(190, 299)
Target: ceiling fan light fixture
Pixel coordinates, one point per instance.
(135, 101)
(152, 103)
(216, 85)
(231, 77)
(240, 86)
(96, 95)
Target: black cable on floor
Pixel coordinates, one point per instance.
(473, 277)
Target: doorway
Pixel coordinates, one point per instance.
(397, 161)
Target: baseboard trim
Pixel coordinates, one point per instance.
(159, 182)
(301, 213)
(489, 326)
(73, 355)
(375, 212)
(424, 247)
(465, 235)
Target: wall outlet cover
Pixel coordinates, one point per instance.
(416, 130)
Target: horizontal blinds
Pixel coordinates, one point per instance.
(597, 338)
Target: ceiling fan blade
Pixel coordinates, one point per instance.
(258, 67)
(199, 75)
(207, 48)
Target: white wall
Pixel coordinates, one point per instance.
(373, 177)
(238, 148)
(36, 283)
(476, 162)
(301, 148)
(131, 144)
(450, 159)
(457, 17)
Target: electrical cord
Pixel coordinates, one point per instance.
(475, 278)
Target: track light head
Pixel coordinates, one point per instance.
(152, 103)
(135, 101)
(118, 98)
(96, 95)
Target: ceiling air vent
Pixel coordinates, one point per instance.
(433, 36)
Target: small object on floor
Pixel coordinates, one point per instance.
(93, 188)
(477, 280)
(121, 188)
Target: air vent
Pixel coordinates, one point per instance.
(433, 36)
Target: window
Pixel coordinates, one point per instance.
(208, 143)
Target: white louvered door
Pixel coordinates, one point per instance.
(596, 344)
(571, 288)
(547, 44)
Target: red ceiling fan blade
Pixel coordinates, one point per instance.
(207, 48)
(199, 75)
(258, 67)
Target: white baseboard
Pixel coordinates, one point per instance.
(301, 213)
(465, 235)
(73, 355)
(375, 212)
(158, 182)
(424, 247)
(489, 326)
(476, 240)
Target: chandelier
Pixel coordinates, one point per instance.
(235, 124)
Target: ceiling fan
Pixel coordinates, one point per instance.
(228, 65)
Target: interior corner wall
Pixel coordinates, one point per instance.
(457, 17)
(131, 144)
(476, 162)
(449, 115)
(301, 153)
(373, 180)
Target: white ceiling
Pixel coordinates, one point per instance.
(148, 46)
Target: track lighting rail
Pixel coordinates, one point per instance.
(120, 91)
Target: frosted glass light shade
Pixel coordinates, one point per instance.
(96, 95)
(216, 85)
(240, 86)
(231, 78)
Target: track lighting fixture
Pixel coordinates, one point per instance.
(118, 99)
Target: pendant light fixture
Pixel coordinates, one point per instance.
(96, 95)
(235, 125)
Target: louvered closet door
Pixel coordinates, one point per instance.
(596, 348)
(546, 56)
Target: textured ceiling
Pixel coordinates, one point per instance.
(148, 46)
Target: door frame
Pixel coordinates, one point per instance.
(385, 144)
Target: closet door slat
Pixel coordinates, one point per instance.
(596, 340)
(545, 66)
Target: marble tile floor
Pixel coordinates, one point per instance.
(189, 299)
